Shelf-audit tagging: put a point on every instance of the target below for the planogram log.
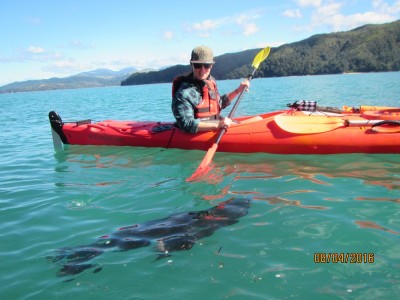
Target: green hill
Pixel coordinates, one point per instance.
(370, 48)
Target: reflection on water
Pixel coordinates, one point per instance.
(373, 169)
(370, 224)
(282, 201)
(383, 199)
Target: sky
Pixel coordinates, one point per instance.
(41, 39)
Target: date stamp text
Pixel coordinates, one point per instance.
(344, 257)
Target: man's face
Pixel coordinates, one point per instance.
(201, 71)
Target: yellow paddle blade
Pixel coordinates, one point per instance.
(260, 57)
(308, 124)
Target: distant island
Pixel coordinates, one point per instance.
(369, 48)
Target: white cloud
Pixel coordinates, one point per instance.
(168, 35)
(143, 61)
(315, 3)
(207, 25)
(277, 43)
(271, 44)
(79, 45)
(325, 14)
(35, 50)
(204, 34)
(34, 53)
(292, 13)
(385, 8)
(244, 21)
(329, 9)
(66, 66)
(330, 15)
(243, 18)
(250, 29)
(31, 54)
(341, 22)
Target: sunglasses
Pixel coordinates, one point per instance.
(199, 65)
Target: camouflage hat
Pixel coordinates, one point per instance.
(202, 54)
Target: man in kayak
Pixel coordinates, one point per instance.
(196, 103)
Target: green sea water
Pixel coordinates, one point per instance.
(319, 226)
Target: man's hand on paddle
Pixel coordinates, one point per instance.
(225, 122)
(244, 85)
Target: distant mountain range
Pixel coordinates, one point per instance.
(369, 48)
(106, 73)
(95, 78)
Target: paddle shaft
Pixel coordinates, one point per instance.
(367, 122)
(233, 110)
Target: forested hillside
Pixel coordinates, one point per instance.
(370, 48)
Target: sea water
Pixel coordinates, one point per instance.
(319, 226)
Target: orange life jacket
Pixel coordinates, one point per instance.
(209, 107)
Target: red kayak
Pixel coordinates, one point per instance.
(281, 132)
